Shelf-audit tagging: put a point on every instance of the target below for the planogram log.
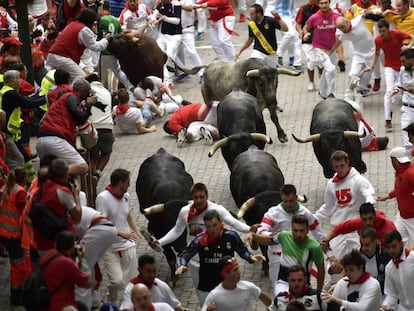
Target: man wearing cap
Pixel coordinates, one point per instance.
(160, 291)
(404, 193)
(57, 132)
(231, 293)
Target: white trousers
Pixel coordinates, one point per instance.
(328, 78)
(110, 62)
(169, 44)
(59, 62)
(188, 45)
(406, 228)
(271, 60)
(194, 129)
(391, 78)
(290, 42)
(120, 266)
(202, 20)
(407, 117)
(221, 38)
(96, 241)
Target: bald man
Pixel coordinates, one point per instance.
(141, 299)
(358, 33)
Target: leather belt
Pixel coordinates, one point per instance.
(189, 26)
(408, 105)
(97, 220)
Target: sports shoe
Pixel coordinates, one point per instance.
(377, 85)
(354, 82)
(206, 135)
(311, 86)
(388, 125)
(242, 18)
(181, 137)
(181, 77)
(199, 36)
(341, 65)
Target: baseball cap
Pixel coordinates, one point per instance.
(400, 154)
(109, 306)
(9, 41)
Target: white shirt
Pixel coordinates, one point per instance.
(362, 40)
(369, 295)
(239, 299)
(159, 293)
(344, 198)
(187, 17)
(406, 79)
(37, 8)
(101, 120)
(88, 38)
(88, 214)
(161, 306)
(134, 20)
(117, 212)
(399, 283)
(127, 122)
(198, 222)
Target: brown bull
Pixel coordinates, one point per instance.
(138, 56)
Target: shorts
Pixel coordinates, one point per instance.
(59, 147)
(103, 146)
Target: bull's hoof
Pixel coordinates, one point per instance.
(283, 139)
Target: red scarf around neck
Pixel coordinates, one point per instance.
(194, 212)
(139, 280)
(365, 276)
(121, 109)
(339, 179)
(207, 239)
(291, 296)
(114, 193)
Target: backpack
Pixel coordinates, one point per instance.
(36, 295)
(45, 220)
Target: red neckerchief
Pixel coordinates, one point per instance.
(365, 276)
(290, 296)
(359, 117)
(139, 280)
(121, 109)
(339, 179)
(194, 212)
(207, 239)
(113, 192)
(399, 260)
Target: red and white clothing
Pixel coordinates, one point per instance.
(120, 261)
(69, 46)
(399, 277)
(160, 306)
(343, 198)
(404, 193)
(160, 292)
(182, 117)
(6, 22)
(37, 8)
(239, 299)
(381, 225)
(221, 28)
(392, 63)
(194, 224)
(278, 218)
(324, 29)
(127, 120)
(364, 294)
(134, 19)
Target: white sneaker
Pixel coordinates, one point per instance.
(181, 137)
(311, 86)
(206, 135)
(354, 82)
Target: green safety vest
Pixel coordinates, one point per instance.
(15, 120)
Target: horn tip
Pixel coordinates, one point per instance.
(270, 141)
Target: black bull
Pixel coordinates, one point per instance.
(252, 76)
(240, 124)
(162, 179)
(334, 127)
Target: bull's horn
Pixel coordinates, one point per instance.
(311, 138)
(302, 198)
(285, 71)
(222, 142)
(245, 207)
(154, 209)
(261, 137)
(254, 73)
(351, 134)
